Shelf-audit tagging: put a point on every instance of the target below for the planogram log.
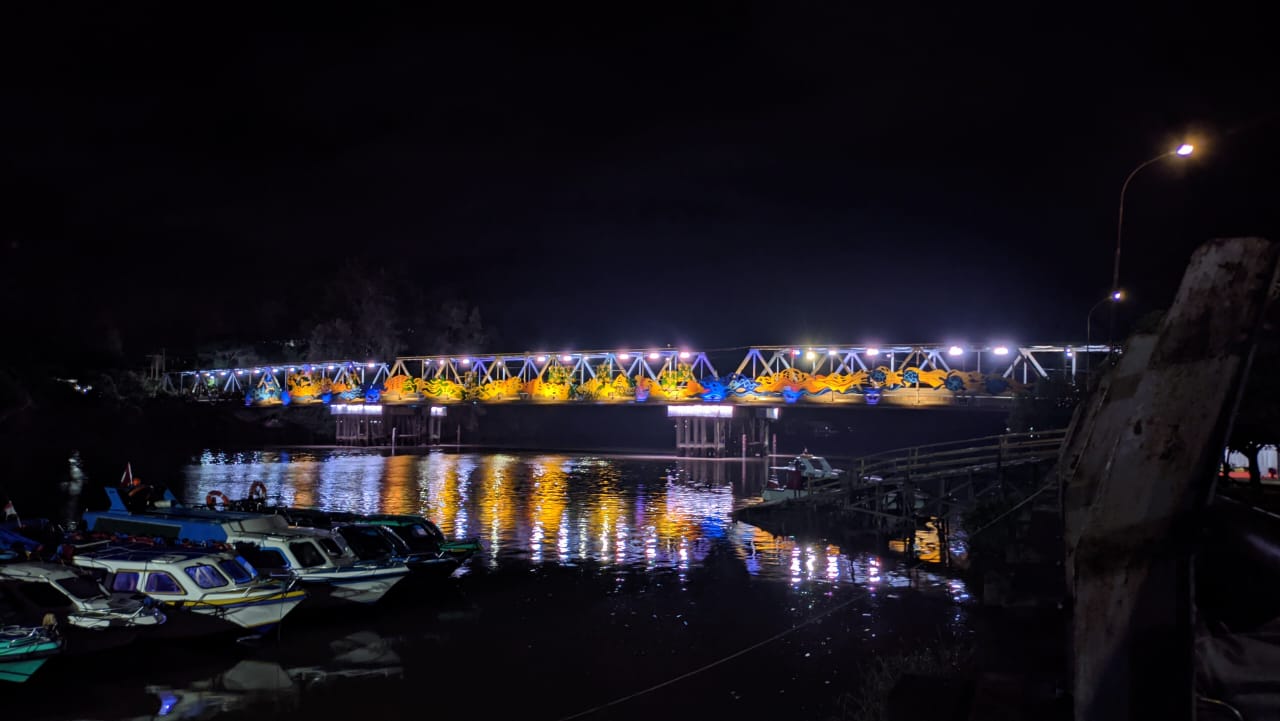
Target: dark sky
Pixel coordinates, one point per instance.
(737, 174)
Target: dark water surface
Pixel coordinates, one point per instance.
(600, 577)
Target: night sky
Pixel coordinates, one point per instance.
(738, 174)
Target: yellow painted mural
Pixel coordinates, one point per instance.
(673, 384)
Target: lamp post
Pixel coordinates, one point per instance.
(1114, 296)
(1181, 151)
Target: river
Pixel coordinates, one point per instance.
(600, 577)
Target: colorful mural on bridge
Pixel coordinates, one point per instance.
(557, 384)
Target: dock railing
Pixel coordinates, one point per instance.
(919, 463)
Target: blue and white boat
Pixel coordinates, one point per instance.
(316, 558)
(209, 586)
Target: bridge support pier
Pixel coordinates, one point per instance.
(377, 425)
(702, 437)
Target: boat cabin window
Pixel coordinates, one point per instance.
(161, 582)
(366, 542)
(238, 573)
(307, 554)
(264, 557)
(206, 576)
(44, 595)
(397, 543)
(331, 546)
(85, 589)
(435, 531)
(125, 581)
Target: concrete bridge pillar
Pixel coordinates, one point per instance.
(702, 437)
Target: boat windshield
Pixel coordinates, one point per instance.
(822, 464)
(237, 572)
(331, 546)
(307, 553)
(367, 543)
(85, 589)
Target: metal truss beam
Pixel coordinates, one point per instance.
(839, 367)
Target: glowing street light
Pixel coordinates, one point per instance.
(809, 355)
(624, 356)
(684, 355)
(833, 351)
(955, 350)
(466, 361)
(873, 352)
(1182, 151)
(1001, 350)
(1114, 297)
(654, 356)
(566, 358)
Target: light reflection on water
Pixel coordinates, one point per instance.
(623, 512)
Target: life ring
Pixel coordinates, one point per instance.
(258, 491)
(211, 500)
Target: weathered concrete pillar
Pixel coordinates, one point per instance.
(1137, 468)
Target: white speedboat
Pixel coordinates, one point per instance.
(797, 478)
(319, 558)
(92, 617)
(211, 585)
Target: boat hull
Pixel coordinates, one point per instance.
(258, 614)
(19, 663)
(340, 588)
(781, 494)
(20, 671)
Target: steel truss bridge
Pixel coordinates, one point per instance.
(916, 375)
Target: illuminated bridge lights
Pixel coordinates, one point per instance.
(358, 409)
(858, 374)
(699, 411)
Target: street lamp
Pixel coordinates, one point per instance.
(1182, 151)
(1114, 296)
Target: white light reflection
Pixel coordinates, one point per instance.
(562, 537)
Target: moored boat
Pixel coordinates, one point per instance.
(418, 532)
(321, 558)
(312, 557)
(24, 649)
(797, 478)
(89, 616)
(379, 543)
(207, 585)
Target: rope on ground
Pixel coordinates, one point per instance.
(715, 663)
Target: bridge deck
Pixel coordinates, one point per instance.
(918, 376)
